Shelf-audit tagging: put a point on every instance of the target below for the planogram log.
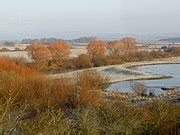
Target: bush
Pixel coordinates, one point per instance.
(118, 117)
(8, 64)
(175, 51)
(83, 89)
(23, 88)
(159, 117)
(139, 88)
(99, 61)
(90, 86)
(83, 61)
(4, 49)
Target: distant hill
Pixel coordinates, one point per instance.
(171, 40)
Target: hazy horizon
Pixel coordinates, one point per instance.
(70, 19)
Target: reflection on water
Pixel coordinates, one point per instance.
(156, 85)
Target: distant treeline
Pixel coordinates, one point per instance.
(51, 40)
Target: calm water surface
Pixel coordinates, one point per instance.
(156, 85)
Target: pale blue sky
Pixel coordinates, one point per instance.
(70, 18)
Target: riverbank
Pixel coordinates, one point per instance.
(123, 72)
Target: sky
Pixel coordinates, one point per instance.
(72, 18)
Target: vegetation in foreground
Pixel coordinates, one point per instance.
(30, 103)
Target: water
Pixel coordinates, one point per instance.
(155, 85)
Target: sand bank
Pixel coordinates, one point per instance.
(118, 73)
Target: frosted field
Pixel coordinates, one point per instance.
(75, 52)
(16, 54)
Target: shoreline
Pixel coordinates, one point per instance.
(144, 75)
(123, 72)
(172, 60)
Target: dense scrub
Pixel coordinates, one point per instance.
(29, 87)
(17, 65)
(88, 62)
(31, 103)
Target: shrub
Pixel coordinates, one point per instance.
(118, 117)
(83, 89)
(175, 51)
(159, 117)
(23, 88)
(90, 85)
(99, 60)
(139, 88)
(8, 64)
(83, 61)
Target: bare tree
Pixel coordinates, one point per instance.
(130, 45)
(115, 48)
(139, 88)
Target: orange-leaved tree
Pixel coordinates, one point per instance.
(60, 53)
(60, 50)
(40, 54)
(97, 48)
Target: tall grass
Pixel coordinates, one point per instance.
(9, 64)
(22, 92)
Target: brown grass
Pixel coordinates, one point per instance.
(17, 83)
(8, 64)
